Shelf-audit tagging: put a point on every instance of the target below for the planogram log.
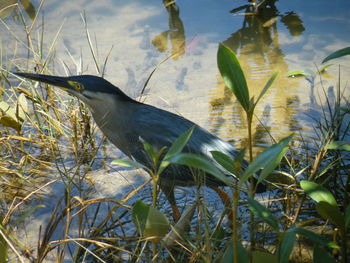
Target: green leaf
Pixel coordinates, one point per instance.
(331, 213)
(297, 73)
(199, 162)
(264, 213)
(338, 145)
(267, 160)
(316, 238)
(225, 161)
(264, 257)
(228, 254)
(347, 217)
(139, 214)
(233, 75)
(317, 192)
(149, 149)
(339, 53)
(149, 221)
(323, 69)
(176, 148)
(267, 86)
(321, 256)
(129, 163)
(345, 109)
(286, 246)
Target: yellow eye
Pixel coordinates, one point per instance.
(76, 86)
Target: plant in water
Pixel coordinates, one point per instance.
(235, 80)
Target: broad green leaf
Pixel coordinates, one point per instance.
(176, 148)
(339, 53)
(317, 192)
(201, 163)
(149, 149)
(297, 73)
(264, 213)
(139, 214)
(321, 256)
(267, 86)
(233, 75)
(331, 213)
(149, 221)
(316, 238)
(225, 161)
(228, 254)
(338, 145)
(264, 257)
(286, 246)
(347, 217)
(267, 160)
(158, 155)
(129, 163)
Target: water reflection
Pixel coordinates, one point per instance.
(8, 8)
(259, 51)
(176, 32)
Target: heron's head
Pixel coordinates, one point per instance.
(92, 90)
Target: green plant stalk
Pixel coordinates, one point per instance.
(155, 192)
(235, 196)
(250, 143)
(155, 177)
(251, 185)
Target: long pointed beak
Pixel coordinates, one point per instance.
(52, 80)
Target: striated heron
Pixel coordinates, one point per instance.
(124, 121)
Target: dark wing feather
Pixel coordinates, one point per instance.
(161, 128)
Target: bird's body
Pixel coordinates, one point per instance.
(159, 128)
(125, 121)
